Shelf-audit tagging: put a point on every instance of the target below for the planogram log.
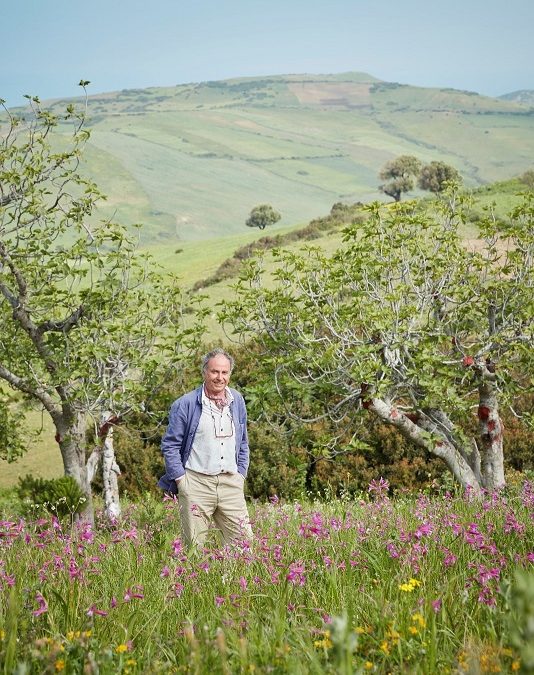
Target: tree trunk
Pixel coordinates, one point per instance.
(70, 436)
(431, 436)
(491, 433)
(110, 471)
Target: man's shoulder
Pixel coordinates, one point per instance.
(190, 398)
(236, 395)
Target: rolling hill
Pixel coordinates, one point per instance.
(190, 161)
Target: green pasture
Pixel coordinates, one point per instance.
(189, 162)
(42, 459)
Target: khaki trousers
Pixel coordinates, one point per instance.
(203, 498)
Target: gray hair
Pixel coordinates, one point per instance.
(218, 351)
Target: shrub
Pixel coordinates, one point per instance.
(60, 496)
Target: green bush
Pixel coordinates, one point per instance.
(275, 468)
(141, 464)
(60, 496)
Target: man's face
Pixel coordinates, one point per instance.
(217, 374)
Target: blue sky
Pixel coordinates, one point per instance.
(49, 45)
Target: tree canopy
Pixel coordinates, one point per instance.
(407, 322)
(403, 172)
(435, 176)
(400, 174)
(263, 215)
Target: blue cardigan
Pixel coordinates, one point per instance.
(176, 443)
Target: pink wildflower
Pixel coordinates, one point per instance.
(93, 611)
(296, 574)
(219, 600)
(392, 550)
(380, 488)
(177, 547)
(43, 605)
(130, 594)
(424, 530)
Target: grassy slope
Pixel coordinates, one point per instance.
(189, 162)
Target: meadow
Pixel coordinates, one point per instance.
(424, 583)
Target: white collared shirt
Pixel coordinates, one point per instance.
(213, 449)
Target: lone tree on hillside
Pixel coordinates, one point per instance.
(400, 174)
(435, 176)
(87, 327)
(407, 322)
(263, 215)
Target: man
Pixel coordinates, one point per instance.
(206, 455)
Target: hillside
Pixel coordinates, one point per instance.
(521, 96)
(190, 161)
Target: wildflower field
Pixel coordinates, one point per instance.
(428, 583)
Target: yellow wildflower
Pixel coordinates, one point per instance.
(363, 630)
(419, 619)
(407, 588)
(489, 662)
(2, 634)
(60, 665)
(324, 643)
(120, 649)
(87, 633)
(393, 634)
(413, 630)
(410, 586)
(368, 665)
(516, 665)
(385, 647)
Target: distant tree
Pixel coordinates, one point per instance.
(400, 174)
(435, 176)
(528, 179)
(262, 215)
(87, 326)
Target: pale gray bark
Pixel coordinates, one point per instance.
(429, 435)
(70, 436)
(491, 432)
(110, 472)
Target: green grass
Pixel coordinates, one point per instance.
(42, 458)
